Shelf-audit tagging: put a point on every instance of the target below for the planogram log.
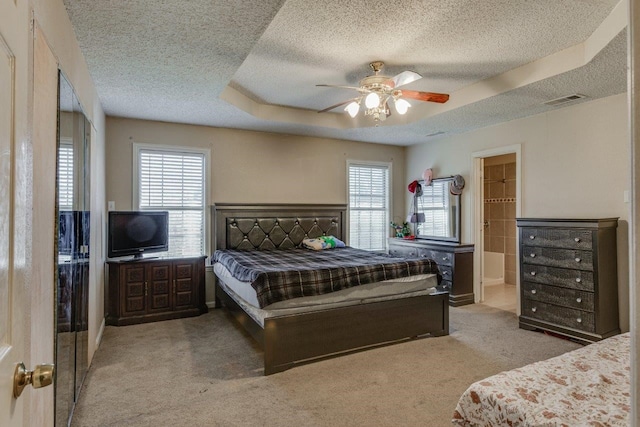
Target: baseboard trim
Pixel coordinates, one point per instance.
(100, 332)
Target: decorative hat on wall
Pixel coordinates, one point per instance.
(427, 176)
(457, 184)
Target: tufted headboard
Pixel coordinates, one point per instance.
(243, 226)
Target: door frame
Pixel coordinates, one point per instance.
(477, 213)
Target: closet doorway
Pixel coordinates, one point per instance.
(497, 174)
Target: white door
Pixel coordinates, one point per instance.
(12, 330)
(28, 97)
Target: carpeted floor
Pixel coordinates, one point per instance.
(205, 371)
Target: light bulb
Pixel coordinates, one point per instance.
(402, 106)
(372, 100)
(352, 109)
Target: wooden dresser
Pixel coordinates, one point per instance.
(148, 290)
(568, 277)
(455, 262)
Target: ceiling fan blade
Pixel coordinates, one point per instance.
(338, 105)
(403, 78)
(425, 96)
(343, 87)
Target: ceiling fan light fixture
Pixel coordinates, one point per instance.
(376, 92)
(352, 109)
(372, 100)
(402, 106)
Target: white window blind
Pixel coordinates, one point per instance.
(65, 177)
(175, 181)
(368, 206)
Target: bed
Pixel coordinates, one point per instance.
(588, 386)
(300, 330)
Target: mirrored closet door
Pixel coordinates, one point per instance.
(73, 184)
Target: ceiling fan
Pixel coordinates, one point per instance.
(376, 91)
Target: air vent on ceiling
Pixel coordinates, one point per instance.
(565, 99)
(435, 133)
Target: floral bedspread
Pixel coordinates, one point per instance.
(589, 386)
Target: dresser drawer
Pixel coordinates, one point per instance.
(557, 238)
(566, 258)
(562, 316)
(402, 251)
(444, 286)
(441, 258)
(446, 272)
(574, 279)
(558, 296)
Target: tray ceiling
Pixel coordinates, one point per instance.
(254, 64)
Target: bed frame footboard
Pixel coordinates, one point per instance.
(292, 340)
(296, 339)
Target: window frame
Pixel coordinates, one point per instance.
(369, 163)
(138, 147)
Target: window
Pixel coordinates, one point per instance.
(368, 205)
(65, 175)
(174, 180)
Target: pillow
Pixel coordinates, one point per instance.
(323, 242)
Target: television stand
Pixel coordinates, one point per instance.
(144, 290)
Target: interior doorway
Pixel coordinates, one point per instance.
(497, 205)
(498, 226)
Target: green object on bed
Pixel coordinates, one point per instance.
(323, 242)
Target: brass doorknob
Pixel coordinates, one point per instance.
(41, 376)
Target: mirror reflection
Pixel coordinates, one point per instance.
(74, 133)
(441, 211)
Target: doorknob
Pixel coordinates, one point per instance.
(41, 376)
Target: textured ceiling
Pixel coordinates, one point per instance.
(254, 64)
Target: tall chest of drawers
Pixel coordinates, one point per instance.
(568, 277)
(455, 262)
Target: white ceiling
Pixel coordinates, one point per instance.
(254, 64)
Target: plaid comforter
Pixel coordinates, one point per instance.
(284, 274)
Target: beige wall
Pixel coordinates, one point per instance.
(575, 164)
(252, 167)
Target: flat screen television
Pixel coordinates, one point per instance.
(137, 232)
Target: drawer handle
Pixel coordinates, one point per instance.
(533, 291)
(532, 237)
(578, 280)
(533, 273)
(578, 300)
(444, 258)
(532, 255)
(577, 240)
(578, 260)
(579, 320)
(444, 273)
(534, 309)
